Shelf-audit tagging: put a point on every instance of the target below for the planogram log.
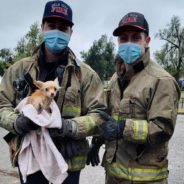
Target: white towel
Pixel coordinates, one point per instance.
(38, 151)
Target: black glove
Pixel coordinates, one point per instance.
(67, 130)
(93, 153)
(112, 129)
(23, 125)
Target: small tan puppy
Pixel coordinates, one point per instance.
(42, 97)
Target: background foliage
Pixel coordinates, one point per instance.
(101, 54)
(171, 55)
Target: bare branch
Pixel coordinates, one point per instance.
(170, 42)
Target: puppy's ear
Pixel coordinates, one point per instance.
(38, 83)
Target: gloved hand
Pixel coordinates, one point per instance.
(68, 129)
(23, 125)
(93, 153)
(111, 128)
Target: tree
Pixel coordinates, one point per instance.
(29, 42)
(6, 55)
(24, 48)
(34, 37)
(171, 55)
(6, 60)
(101, 57)
(20, 49)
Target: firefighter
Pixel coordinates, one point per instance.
(80, 98)
(142, 104)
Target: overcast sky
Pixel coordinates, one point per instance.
(92, 18)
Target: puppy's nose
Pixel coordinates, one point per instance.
(52, 94)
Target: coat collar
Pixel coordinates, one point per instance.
(131, 70)
(71, 58)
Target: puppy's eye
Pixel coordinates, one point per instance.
(55, 89)
(46, 89)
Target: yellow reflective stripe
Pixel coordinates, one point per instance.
(77, 163)
(106, 92)
(117, 117)
(137, 174)
(7, 119)
(71, 110)
(140, 130)
(89, 124)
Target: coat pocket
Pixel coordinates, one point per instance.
(72, 103)
(125, 108)
(132, 108)
(137, 109)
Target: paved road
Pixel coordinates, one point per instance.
(96, 175)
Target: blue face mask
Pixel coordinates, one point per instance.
(56, 40)
(130, 52)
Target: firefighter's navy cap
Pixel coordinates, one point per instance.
(132, 19)
(58, 9)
